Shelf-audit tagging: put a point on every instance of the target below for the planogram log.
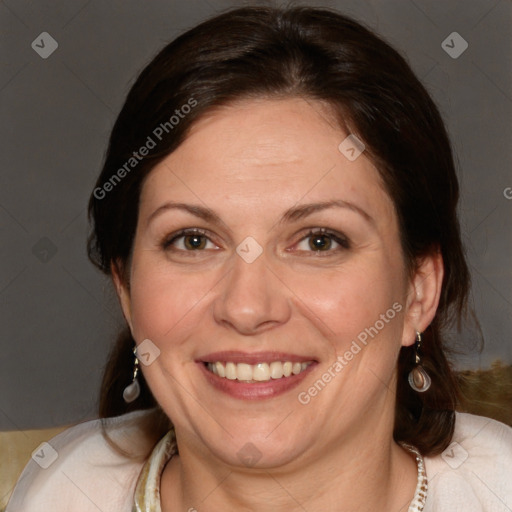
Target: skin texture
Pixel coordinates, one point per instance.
(249, 163)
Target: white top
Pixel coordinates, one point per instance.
(78, 471)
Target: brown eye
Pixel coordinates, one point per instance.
(192, 242)
(320, 242)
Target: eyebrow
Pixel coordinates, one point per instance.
(299, 212)
(199, 211)
(293, 214)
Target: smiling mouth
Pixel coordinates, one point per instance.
(254, 373)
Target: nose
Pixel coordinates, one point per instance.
(253, 298)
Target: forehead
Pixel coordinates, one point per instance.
(272, 152)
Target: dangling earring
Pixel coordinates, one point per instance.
(419, 379)
(132, 391)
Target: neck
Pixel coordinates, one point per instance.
(369, 473)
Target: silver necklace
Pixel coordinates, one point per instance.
(420, 495)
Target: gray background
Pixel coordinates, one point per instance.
(58, 314)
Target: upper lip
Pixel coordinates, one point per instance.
(253, 357)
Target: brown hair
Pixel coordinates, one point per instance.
(321, 55)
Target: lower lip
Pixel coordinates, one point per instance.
(255, 391)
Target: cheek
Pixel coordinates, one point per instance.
(348, 301)
(164, 303)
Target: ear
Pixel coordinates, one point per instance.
(423, 295)
(122, 289)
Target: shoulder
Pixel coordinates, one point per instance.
(475, 472)
(79, 470)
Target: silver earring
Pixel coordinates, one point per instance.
(419, 379)
(132, 391)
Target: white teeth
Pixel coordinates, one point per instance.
(219, 369)
(261, 372)
(276, 370)
(243, 371)
(231, 371)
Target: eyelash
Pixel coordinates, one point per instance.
(167, 242)
(339, 238)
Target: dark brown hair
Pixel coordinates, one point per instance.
(317, 54)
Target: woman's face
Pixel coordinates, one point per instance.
(296, 259)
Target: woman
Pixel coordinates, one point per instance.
(277, 211)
